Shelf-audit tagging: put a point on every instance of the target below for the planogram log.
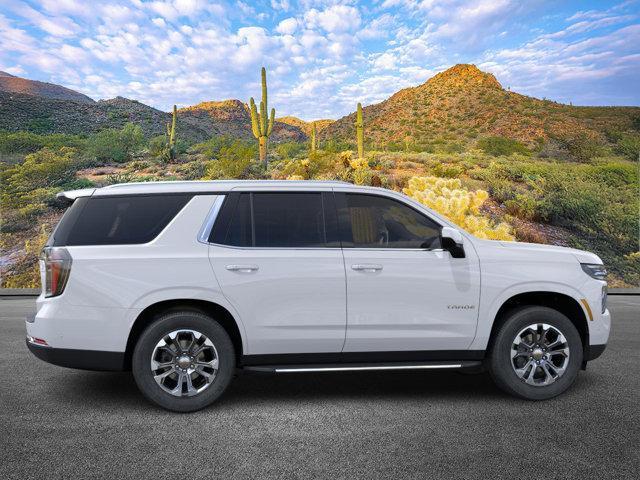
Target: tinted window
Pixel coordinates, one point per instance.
(288, 220)
(239, 233)
(292, 220)
(117, 220)
(370, 221)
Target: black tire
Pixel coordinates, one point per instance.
(163, 325)
(500, 366)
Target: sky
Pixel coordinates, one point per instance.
(322, 57)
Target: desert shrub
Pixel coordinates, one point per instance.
(461, 206)
(40, 125)
(498, 146)
(629, 146)
(581, 146)
(523, 206)
(232, 160)
(289, 150)
(193, 170)
(28, 142)
(34, 182)
(116, 145)
(447, 170)
(28, 274)
(318, 164)
(157, 145)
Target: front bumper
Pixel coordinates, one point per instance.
(594, 351)
(81, 359)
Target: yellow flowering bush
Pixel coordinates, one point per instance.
(447, 197)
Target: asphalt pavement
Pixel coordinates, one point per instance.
(59, 423)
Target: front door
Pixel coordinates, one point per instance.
(404, 293)
(278, 262)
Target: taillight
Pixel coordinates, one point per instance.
(56, 266)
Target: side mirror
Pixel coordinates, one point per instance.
(452, 241)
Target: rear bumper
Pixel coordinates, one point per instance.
(80, 359)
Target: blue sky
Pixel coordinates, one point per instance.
(322, 56)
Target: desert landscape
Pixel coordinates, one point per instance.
(500, 164)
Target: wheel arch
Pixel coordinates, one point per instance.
(221, 314)
(561, 302)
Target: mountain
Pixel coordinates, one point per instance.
(464, 103)
(19, 111)
(48, 108)
(16, 85)
(305, 126)
(232, 118)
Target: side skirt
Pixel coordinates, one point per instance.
(349, 361)
(352, 367)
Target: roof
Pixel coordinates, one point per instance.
(196, 187)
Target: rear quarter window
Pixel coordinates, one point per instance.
(116, 220)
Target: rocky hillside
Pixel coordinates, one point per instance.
(464, 103)
(232, 118)
(47, 115)
(195, 124)
(12, 85)
(305, 126)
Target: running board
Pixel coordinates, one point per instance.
(350, 367)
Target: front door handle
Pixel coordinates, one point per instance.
(242, 268)
(367, 267)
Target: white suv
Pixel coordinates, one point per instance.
(183, 282)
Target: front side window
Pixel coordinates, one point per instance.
(276, 220)
(371, 221)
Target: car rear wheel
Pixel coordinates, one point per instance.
(536, 354)
(183, 361)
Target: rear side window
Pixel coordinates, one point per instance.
(288, 220)
(272, 220)
(117, 220)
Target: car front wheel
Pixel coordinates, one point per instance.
(183, 361)
(536, 354)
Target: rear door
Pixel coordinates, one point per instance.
(404, 293)
(278, 260)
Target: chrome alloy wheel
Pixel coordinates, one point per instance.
(184, 363)
(539, 354)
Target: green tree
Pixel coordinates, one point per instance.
(116, 145)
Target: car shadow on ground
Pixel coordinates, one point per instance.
(109, 389)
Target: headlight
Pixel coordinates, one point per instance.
(594, 270)
(604, 299)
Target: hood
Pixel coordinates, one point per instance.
(581, 255)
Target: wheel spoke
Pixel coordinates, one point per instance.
(160, 377)
(211, 364)
(190, 389)
(207, 375)
(176, 345)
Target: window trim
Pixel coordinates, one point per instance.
(233, 198)
(340, 200)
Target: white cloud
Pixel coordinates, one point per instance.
(335, 19)
(287, 26)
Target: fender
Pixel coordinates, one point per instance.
(186, 293)
(488, 311)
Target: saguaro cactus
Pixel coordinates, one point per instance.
(360, 132)
(314, 140)
(260, 124)
(171, 135)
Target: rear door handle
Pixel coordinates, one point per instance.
(367, 267)
(242, 268)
